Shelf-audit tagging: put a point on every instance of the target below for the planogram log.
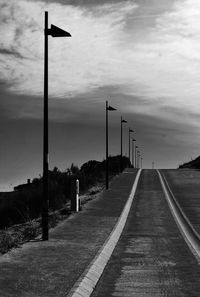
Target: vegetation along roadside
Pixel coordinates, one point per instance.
(20, 210)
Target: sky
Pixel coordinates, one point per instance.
(143, 56)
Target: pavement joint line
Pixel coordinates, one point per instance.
(104, 254)
(97, 268)
(108, 249)
(78, 295)
(92, 276)
(82, 291)
(95, 272)
(83, 285)
(103, 259)
(100, 260)
(184, 225)
(90, 282)
(90, 285)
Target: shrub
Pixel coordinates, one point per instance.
(31, 230)
(7, 241)
(25, 202)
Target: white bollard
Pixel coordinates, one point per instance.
(77, 195)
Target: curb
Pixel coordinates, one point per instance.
(85, 285)
(189, 234)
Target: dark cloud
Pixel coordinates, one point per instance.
(77, 126)
(85, 2)
(80, 135)
(12, 53)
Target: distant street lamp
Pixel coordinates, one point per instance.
(129, 140)
(108, 108)
(136, 147)
(133, 152)
(121, 154)
(54, 32)
(141, 162)
(138, 159)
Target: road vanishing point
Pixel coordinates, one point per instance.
(139, 238)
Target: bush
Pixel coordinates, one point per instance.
(25, 202)
(31, 230)
(7, 241)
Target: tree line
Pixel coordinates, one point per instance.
(24, 203)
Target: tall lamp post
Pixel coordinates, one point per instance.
(54, 32)
(121, 154)
(133, 152)
(138, 159)
(136, 147)
(129, 140)
(141, 162)
(108, 108)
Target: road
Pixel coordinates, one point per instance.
(185, 185)
(151, 257)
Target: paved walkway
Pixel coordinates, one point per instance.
(49, 269)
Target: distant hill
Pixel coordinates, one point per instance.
(192, 164)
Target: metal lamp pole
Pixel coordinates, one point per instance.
(138, 159)
(108, 108)
(54, 32)
(141, 162)
(136, 147)
(133, 152)
(121, 154)
(129, 135)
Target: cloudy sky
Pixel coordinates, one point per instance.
(143, 56)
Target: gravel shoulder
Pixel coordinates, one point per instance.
(49, 269)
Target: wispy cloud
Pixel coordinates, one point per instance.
(83, 62)
(160, 66)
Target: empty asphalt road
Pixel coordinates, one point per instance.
(148, 257)
(151, 258)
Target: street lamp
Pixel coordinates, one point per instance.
(141, 162)
(133, 152)
(121, 155)
(129, 133)
(136, 147)
(138, 159)
(108, 108)
(54, 32)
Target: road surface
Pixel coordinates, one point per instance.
(151, 258)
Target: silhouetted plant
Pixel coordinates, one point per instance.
(25, 202)
(7, 241)
(192, 164)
